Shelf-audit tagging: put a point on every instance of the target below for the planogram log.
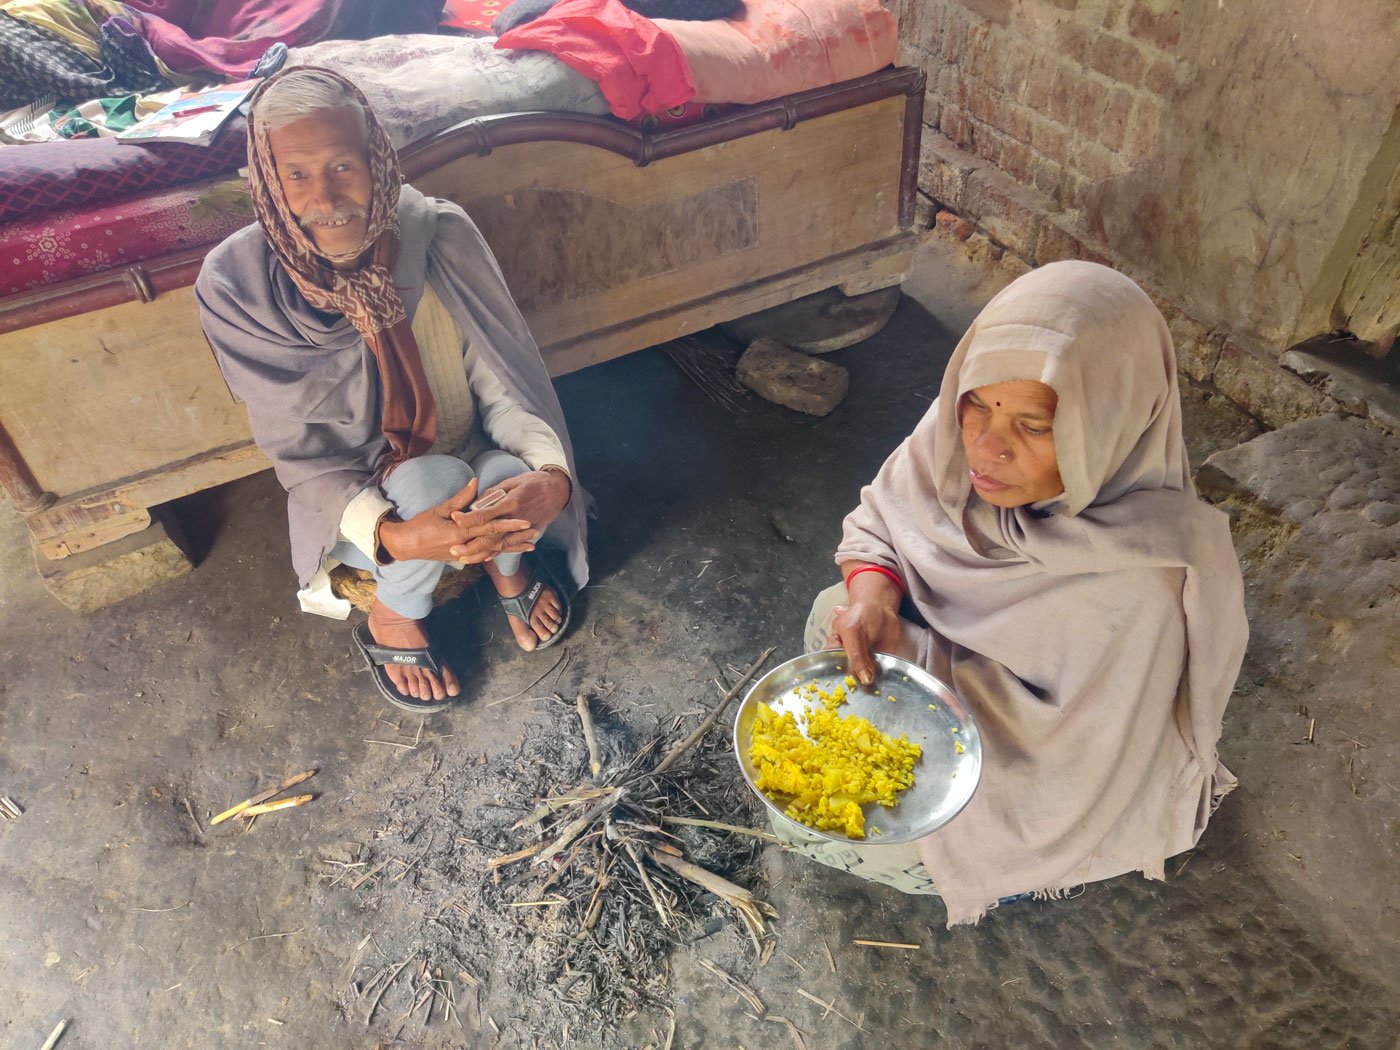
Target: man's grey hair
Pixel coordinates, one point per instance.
(301, 93)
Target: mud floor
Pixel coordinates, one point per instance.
(124, 912)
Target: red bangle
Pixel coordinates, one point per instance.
(894, 577)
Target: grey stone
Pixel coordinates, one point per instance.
(818, 323)
(1266, 390)
(796, 381)
(1361, 384)
(115, 571)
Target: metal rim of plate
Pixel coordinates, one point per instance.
(944, 780)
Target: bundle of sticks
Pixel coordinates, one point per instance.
(607, 836)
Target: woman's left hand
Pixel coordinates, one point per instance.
(538, 496)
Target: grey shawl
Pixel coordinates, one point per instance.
(310, 382)
(1096, 637)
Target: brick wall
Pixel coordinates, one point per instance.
(1216, 152)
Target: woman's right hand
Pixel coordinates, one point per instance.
(869, 622)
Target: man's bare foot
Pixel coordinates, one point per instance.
(546, 616)
(389, 628)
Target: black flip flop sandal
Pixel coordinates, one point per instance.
(376, 656)
(523, 604)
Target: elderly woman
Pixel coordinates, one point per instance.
(1037, 544)
(392, 382)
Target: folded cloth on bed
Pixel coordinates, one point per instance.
(37, 62)
(639, 67)
(778, 47)
(420, 84)
(228, 37)
(51, 246)
(48, 176)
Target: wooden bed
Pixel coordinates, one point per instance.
(610, 239)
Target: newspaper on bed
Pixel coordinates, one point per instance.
(194, 118)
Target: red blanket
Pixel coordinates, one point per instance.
(638, 66)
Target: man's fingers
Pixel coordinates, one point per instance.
(462, 500)
(488, 522)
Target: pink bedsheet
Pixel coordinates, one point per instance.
(779, 47)
(58, 245)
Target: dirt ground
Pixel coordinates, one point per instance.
(124, 912)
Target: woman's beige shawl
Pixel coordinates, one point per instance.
(1096, 637)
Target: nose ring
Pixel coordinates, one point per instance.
(1003, 455)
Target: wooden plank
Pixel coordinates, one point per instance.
(82, 523)
(587, 242)
(889, 264)
(92, 399)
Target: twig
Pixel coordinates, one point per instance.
(392, 977)
(190, 810)
(696, 822)
(54, 1036)
(506, 699)
(290, 782)
(588, 736)
(392, 743)
(887, 944)
(829, 1007)
(157, 911)
(647, 883)
(266, 937)
(511, 858)
(798, 1042)
(281, 803)
(744, 991)
(830, 959)
(714, 716)
(369, 874)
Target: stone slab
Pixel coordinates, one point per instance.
(820, 323)
(793, 380)
(116, 571)
(1364, 385)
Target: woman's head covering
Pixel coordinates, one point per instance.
(365, 294)
(1096, 636)
(1097, 340)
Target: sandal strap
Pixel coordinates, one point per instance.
(386, 654)
(523, 604)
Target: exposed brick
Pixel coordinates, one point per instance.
(1064, 5)
(1065, 102)
(1113, 14)
(1051, 139)
(1096, 163)
(1119, 59)
(1074, 42)
(1040, 82)
(958, 228)
(1161, 28)
(1161, 77)
(944, 170)
(1010, 65)
(1010, 214)
(980, 102)
(1016, 120)
(954, 35)
(1093, 100)
(1047, 178)
(1055, 243)
(1113, 126)
(956, 125)
(988, 143)
(1019, 161)
(998, 11)
(1146, 126)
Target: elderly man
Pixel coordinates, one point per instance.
(391, 380)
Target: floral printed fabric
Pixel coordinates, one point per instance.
(56, 246)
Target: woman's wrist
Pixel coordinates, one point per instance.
(866, 582)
